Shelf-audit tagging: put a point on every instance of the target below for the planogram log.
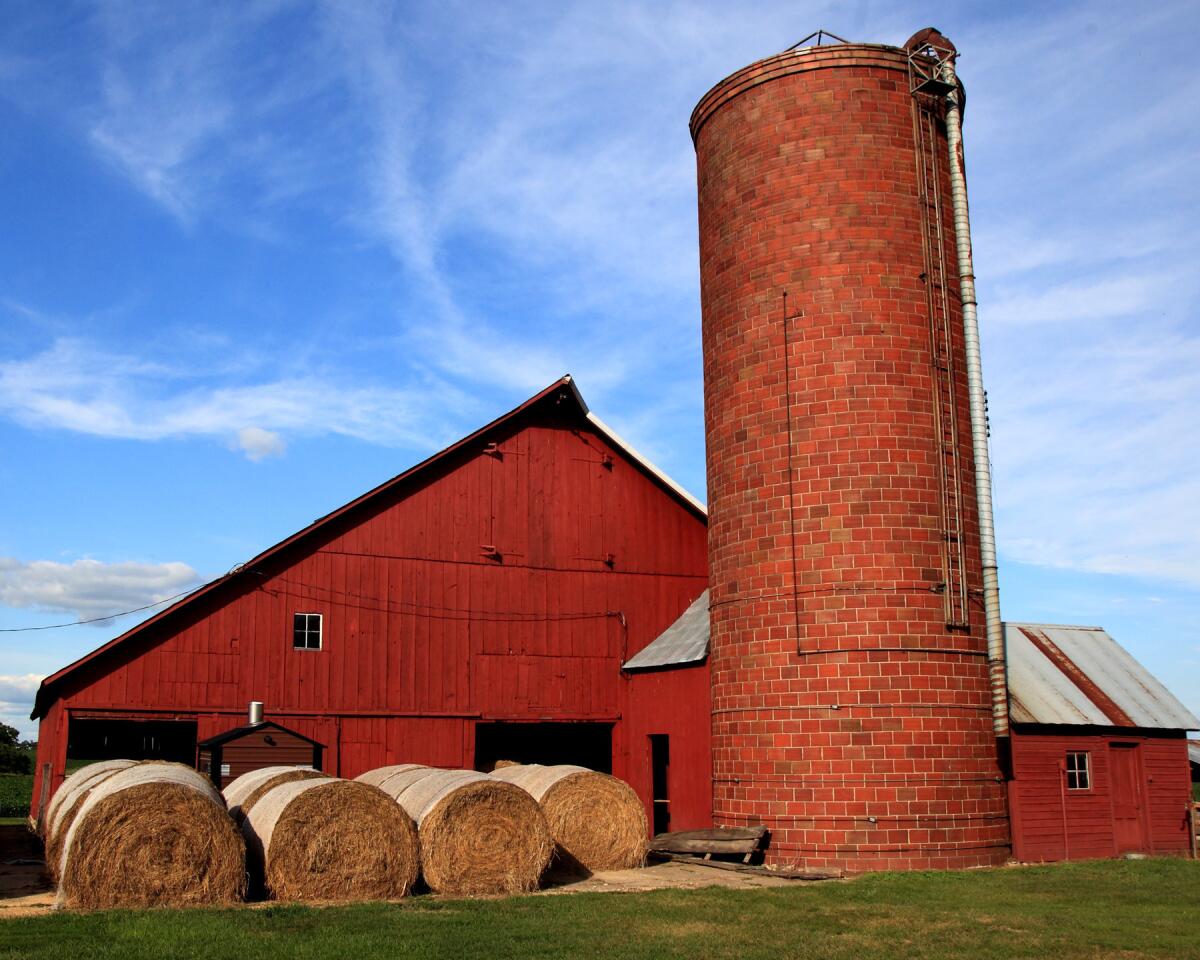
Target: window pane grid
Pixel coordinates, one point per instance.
(1078, 772)
(306, 631)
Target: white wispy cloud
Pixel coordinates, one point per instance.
(195, 109)
(18, 688)
(77, 386)
(16, 702)
(258, 444)
(89, 589)
(538, 154)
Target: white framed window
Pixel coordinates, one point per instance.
(306, 631)
(1079, 770)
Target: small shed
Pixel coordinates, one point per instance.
(670, 717)
(256, 745)
(1099, 749)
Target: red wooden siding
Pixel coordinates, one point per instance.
(257, 749)
(1053, 823)
(676, 703)
(424, 632)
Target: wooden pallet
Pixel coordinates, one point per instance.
(724, 841)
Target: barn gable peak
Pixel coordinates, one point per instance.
(562, 394)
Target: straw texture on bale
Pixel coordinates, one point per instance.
(61, 811)
(331, 839)
(377, 776)
(154, 834)
(598, 822)
(243, 793)
(478, 835)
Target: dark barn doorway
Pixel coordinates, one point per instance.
(584, 744)
(660, 768)
(102, 739)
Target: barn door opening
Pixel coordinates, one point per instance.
(102, 739)
(660, 768)
(584, 744)
(1128, 809)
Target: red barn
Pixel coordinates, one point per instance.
(479, 606)
(1099, 749)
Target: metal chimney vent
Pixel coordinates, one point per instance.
(256, 712)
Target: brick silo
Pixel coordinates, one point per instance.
(850, 673)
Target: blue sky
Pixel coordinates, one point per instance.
(260, 256)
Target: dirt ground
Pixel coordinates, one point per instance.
(24, 886)
(670, 875)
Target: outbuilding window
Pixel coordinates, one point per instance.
(1079, 774)
(306, 631)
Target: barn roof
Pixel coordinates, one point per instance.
(561, 391)
(684, 641)
(1082, 676)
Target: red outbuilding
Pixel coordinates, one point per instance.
(1099, 749)
(478, 607)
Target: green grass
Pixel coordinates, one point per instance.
(16, 790)
(1086, 910)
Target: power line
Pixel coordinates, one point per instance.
(111, 616)
(430, 611)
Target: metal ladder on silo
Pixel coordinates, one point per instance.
(941, 349)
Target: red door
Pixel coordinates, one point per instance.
(1129, 824)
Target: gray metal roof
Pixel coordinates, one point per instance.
(1082, 676)
(1056, 674)
(684, 641)
(1194, 751)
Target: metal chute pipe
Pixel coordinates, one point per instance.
(978, 405)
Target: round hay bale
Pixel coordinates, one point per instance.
(399, 781)
(598, 822)
(506, 763)
(154, 834)
(478, 835)
(331, 839)
(379, 774)
(72, 786)
(243, 793)
(66, 803)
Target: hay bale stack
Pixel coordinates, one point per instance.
(598, 822)
(379, 774)
(154, 834)
(331, 839)
(61, 811)
(243, 793)
(478, 835)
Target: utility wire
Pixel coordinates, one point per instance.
(429, 611)
(111, 616)
(360, 601)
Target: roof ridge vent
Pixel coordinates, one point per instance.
(822, 37)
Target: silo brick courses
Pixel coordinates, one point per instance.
(847, 716)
